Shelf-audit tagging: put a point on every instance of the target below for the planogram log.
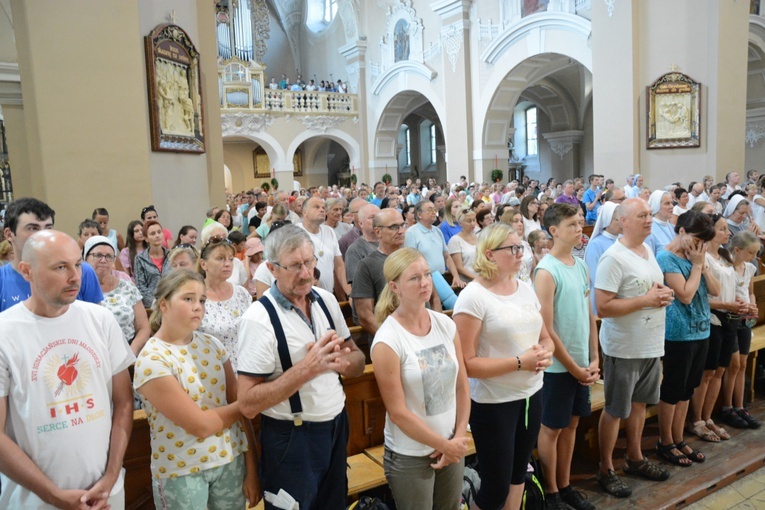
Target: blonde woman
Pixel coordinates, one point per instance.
(418, 366)
(450, 226)
(462, 246)
(506, 349)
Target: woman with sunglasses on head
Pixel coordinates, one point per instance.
(686, 339)
(506, 349)
(183, 256)
(151, 263)
(217, 232)
(149, 213)
(226, 302)
(121, 297)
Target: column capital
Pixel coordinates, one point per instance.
(354, 51)
(10, 84)
(448, 8)
(561, 142)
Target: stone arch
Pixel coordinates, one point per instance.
(346, 141)
(270, 144)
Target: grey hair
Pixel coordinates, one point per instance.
(332, 202)
(285, 240)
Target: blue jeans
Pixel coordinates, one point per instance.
(308, 462)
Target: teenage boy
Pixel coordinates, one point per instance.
(563, 289)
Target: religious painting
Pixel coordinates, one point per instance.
(175, 93)
(261, 163)
(401, 41)
(754, 6)
(674, 117)
(532, 6)
(297, 164)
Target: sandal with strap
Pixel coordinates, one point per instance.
(721, 432)
(646, 469)
(614, 485)
(665, 451)
(700, 430)
(694, 455)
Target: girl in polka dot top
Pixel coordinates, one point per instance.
(203, 453)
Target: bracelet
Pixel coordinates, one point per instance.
(519, 362)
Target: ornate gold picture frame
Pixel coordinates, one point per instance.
(175, 94)
(674, 112)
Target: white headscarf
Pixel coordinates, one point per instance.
(654, 201)
(605, 217)
(732, 205)
(635, 180)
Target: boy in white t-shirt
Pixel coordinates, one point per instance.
(562, 286)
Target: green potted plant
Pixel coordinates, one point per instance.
(497, 175)
(387, 179)
(265, 186)
(275, 183)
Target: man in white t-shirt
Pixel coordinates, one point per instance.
(630, 297)
(326, 248)
(318, 348)
(66, 404)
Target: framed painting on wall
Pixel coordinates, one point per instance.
(261, 163)
(175, 94)
(674, 116)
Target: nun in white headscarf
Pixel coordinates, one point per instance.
(637, 186)
(737, 213)
(662, 231)
(604, 234)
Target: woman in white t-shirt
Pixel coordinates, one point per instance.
(506, 348)
(418, 366)
(462, 246)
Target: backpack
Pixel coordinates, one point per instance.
(533, 493)
(367, 503)
(471, 483)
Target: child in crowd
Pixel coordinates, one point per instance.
(538, 242)
(561, 283)
(743, 248)
(199, 439)
(238, 241)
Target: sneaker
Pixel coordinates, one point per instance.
(748, 418)
(731, 417)
(576, 499)
(553, 501)
(614, 485)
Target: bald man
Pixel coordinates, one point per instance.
(365, 244)
(66, 406)
(631, 298)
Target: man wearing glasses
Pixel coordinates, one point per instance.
(293, 343)
(369, 280)
(430, 242)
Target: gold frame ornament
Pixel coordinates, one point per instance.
(175, 94)
(674, 112)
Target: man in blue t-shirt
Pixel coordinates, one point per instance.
(23, 218)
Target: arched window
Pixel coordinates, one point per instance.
(432, 144)
(408, 148)
(320, 14)
(532, 148)
(330, 9)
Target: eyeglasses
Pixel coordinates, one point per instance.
(295, 268)
(103, 256)
(393, 228)
(514, 248)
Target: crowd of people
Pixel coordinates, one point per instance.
(244, 320)
(298, 85)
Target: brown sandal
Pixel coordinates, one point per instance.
(721, 432)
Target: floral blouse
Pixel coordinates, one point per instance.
(120, 302)
(222, 318)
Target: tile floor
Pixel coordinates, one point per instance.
(745, 494)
